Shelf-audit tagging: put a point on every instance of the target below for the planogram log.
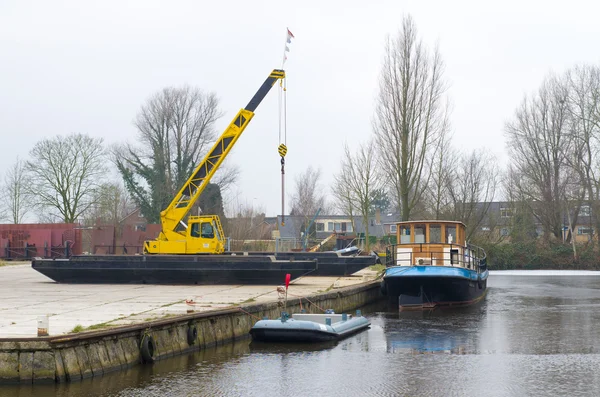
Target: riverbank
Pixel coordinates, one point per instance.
(94, 329)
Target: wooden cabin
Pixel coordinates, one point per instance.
(435, 243)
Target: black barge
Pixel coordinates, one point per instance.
(228, 268)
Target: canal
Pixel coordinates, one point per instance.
(535, 334)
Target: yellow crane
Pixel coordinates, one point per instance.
(204, 234)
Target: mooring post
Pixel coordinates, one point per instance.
(43, 325)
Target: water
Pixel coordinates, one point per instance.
(535, 334)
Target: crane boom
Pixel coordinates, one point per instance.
(173, 216)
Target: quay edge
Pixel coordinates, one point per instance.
(72, 357)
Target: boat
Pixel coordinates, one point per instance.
(305, 327)
(228, 268)
(172, 269)
(191, 249)
(433, 266)
(339, 263)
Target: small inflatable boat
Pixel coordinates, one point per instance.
(303, 327)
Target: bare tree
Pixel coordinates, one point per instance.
(410, 115)
(247, 228)
(343, 200)
(539, 143)
(308, 195)
(175, 127)
(359, 172)
(584, 107)
(64, 174)
(111, 204)
(15, 193)
(307, 198)
(522, 209)
(472, 186)
(443, 164)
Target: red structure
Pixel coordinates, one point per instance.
(123, 240)
(47, 240)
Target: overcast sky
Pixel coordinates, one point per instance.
(83, 66)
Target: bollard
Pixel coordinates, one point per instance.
(42, 328)
(344, 317)
(327, 320)
(358, 313)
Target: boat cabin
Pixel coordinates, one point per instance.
(434, 243)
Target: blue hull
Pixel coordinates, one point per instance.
(433, 286)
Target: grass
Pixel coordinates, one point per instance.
(377, 267)
(78, 328)
(249, 300)
(3, 263)
(99, 326)
(171, 304)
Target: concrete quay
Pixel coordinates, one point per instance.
(118, 325)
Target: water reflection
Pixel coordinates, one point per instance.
(533, 335)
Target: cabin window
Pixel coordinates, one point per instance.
(195, 231)
(349, 227)
(207, 230)
(216, 229)
(330, 226)
(420, 234)
(504, 231)
(393, 228)
(404, 234)
(454, 257)
(320, 227)
(435, 234)
(585, 230)
(451, 234)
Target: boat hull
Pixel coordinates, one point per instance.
(328, 263)
(172, 269)
(299, 331)
(434, 286)
(229, 268)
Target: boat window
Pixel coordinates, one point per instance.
(454, 257)
(195, 231)
(420, 234)
(216, 229)
(435, 234)
(405, 235)
(207, 230)
(451, 234)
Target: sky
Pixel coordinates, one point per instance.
(87, 67)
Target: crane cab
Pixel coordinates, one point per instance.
(203, 235)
